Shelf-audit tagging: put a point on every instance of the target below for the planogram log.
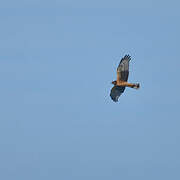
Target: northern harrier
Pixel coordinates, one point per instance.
(122, 76)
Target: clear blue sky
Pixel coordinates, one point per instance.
(57, 59)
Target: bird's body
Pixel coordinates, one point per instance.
(122, 76)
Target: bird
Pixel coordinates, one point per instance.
(122, 76)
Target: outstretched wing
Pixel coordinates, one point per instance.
(116, 91)
(123, 68)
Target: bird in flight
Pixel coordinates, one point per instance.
(122, 76)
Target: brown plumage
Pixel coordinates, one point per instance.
(122, 76)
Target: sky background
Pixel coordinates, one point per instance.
(57, 60)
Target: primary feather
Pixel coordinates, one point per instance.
(116, 91)
(123, 68)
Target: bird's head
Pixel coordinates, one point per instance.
(114, 82)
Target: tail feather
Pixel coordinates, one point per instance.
(136, 86)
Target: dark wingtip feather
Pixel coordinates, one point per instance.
(127, 56)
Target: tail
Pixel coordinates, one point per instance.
(136, 86)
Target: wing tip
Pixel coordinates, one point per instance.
(114, 99)
(127, 56)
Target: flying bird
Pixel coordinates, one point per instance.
(122, 76)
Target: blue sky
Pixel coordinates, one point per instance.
(57, 59)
